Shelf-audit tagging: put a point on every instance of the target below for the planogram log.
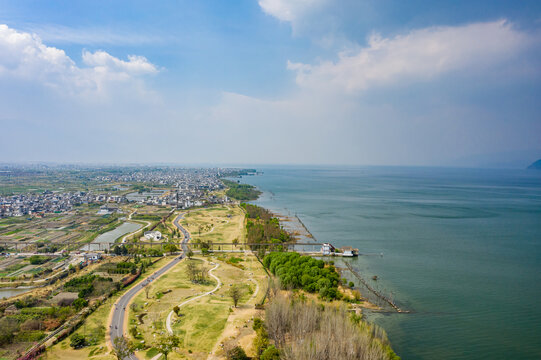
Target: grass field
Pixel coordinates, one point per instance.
(218, 224)
(203, 321)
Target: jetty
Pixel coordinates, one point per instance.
(374, 291)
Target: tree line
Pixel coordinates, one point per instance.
(263, 227)
(296, 271)
(241, 192)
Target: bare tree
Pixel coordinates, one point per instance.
(236, 293)
(316, 333)
(192, 270)
(147, 290)
(203, 272)
(122, 348)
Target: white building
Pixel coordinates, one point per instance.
(153, 235)
(327, 249)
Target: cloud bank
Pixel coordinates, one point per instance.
(25, 57)
(420, 55)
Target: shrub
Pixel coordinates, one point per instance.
(7, 329)
(38, 260)
(257, 323)
(271, 353)
(236, 353)
(80, 303)
(77, 341)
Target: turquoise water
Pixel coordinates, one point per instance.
(462, 250)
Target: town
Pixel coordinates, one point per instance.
(179, 188)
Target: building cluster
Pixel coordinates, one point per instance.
(185, 178)
(46, 202)
(186, 188)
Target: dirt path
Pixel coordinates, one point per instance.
(170, 316)
(232, 329)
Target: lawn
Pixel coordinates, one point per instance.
(219, 224)
(202, 321)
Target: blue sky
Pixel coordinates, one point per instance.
(271, 81)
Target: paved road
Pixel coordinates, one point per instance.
(119, 313)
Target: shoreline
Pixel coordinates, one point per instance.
(363, 283)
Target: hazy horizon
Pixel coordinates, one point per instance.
(299, 82)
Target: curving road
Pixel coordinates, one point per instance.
(117, 323)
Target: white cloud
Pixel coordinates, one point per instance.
(289, 10)
(419, 55)
(23, 56)
(134, 65)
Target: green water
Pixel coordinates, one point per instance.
(462, 250)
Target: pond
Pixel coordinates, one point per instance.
(6, 293)
(103, 240)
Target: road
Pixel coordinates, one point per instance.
(119, 312)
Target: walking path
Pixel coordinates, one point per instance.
(170, 316)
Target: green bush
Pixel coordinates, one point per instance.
(38, 260)
(29, 336)
(80, 303)
(304, 272)
(77, 341)
(258, 323)
(236, 353)
(271, 353)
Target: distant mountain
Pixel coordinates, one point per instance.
(536, 165)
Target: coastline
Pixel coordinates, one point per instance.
(365, 304)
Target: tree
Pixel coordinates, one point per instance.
(171, 248)
(191, 269)
(122, 348)
(261, 341)
(77, 341)
(271, 353)
(79, 303)
(189, 254)
(166, 344)
(133, 331)
(236, 353)
(147, 290)
(8, 328)
(236, 293)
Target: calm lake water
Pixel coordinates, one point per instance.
(112, 235)
(462, 250)
(6, 293)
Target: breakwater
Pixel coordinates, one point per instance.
(374, 291)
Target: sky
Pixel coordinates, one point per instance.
(349, 82)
